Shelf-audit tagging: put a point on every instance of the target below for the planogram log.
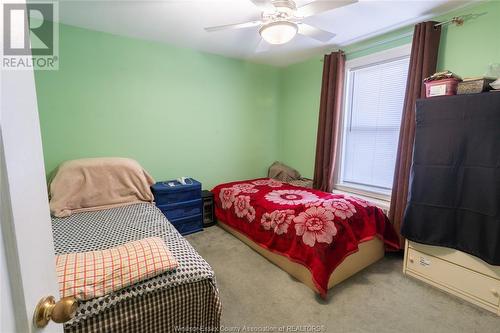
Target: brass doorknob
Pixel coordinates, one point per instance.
(59, 312)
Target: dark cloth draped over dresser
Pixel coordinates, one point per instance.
(423, 60)
(454, 198)
(329, 120)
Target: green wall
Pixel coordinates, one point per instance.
(299, 107)
(178, 112)
(181, 112)
(465, 50)
(469, 49)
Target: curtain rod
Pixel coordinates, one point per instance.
(459, 20)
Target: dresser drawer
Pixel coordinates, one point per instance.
(188, 225)
(181, 209)
(459, 258)
(453, 276)
(165, 194)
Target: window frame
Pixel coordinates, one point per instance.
(380, 57)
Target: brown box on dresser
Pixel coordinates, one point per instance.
(474, 86)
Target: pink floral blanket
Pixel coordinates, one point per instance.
(313, 228)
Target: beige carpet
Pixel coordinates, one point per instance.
(256, 294)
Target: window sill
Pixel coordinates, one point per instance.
(381, 201)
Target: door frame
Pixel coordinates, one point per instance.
(28, 250)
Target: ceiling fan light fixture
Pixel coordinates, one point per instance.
(278, 32)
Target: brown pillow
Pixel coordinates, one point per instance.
(283, 172)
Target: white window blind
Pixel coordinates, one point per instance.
(374, 106)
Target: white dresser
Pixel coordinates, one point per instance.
(455, 272)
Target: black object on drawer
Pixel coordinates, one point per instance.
(188, 225)
(167, 194)
(208, 208)
(181, 209)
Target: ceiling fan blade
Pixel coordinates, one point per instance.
(320, 6)
(234, 26)
(263, 46)
(316, 33)
(265, 5)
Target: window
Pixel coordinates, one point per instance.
(375, 91)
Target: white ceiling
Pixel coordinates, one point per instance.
(181, 23)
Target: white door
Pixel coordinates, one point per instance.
(26, 254)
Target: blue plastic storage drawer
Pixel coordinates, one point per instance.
(181, 209)
(166, 194)
(188, 225)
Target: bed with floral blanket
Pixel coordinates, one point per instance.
(312, 228)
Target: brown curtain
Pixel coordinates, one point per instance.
(329, 118)
(423, 60)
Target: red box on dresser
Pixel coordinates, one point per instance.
(444, 87)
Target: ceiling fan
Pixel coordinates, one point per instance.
(281, 20)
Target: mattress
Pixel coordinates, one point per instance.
(185, 297)
(369, 253)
